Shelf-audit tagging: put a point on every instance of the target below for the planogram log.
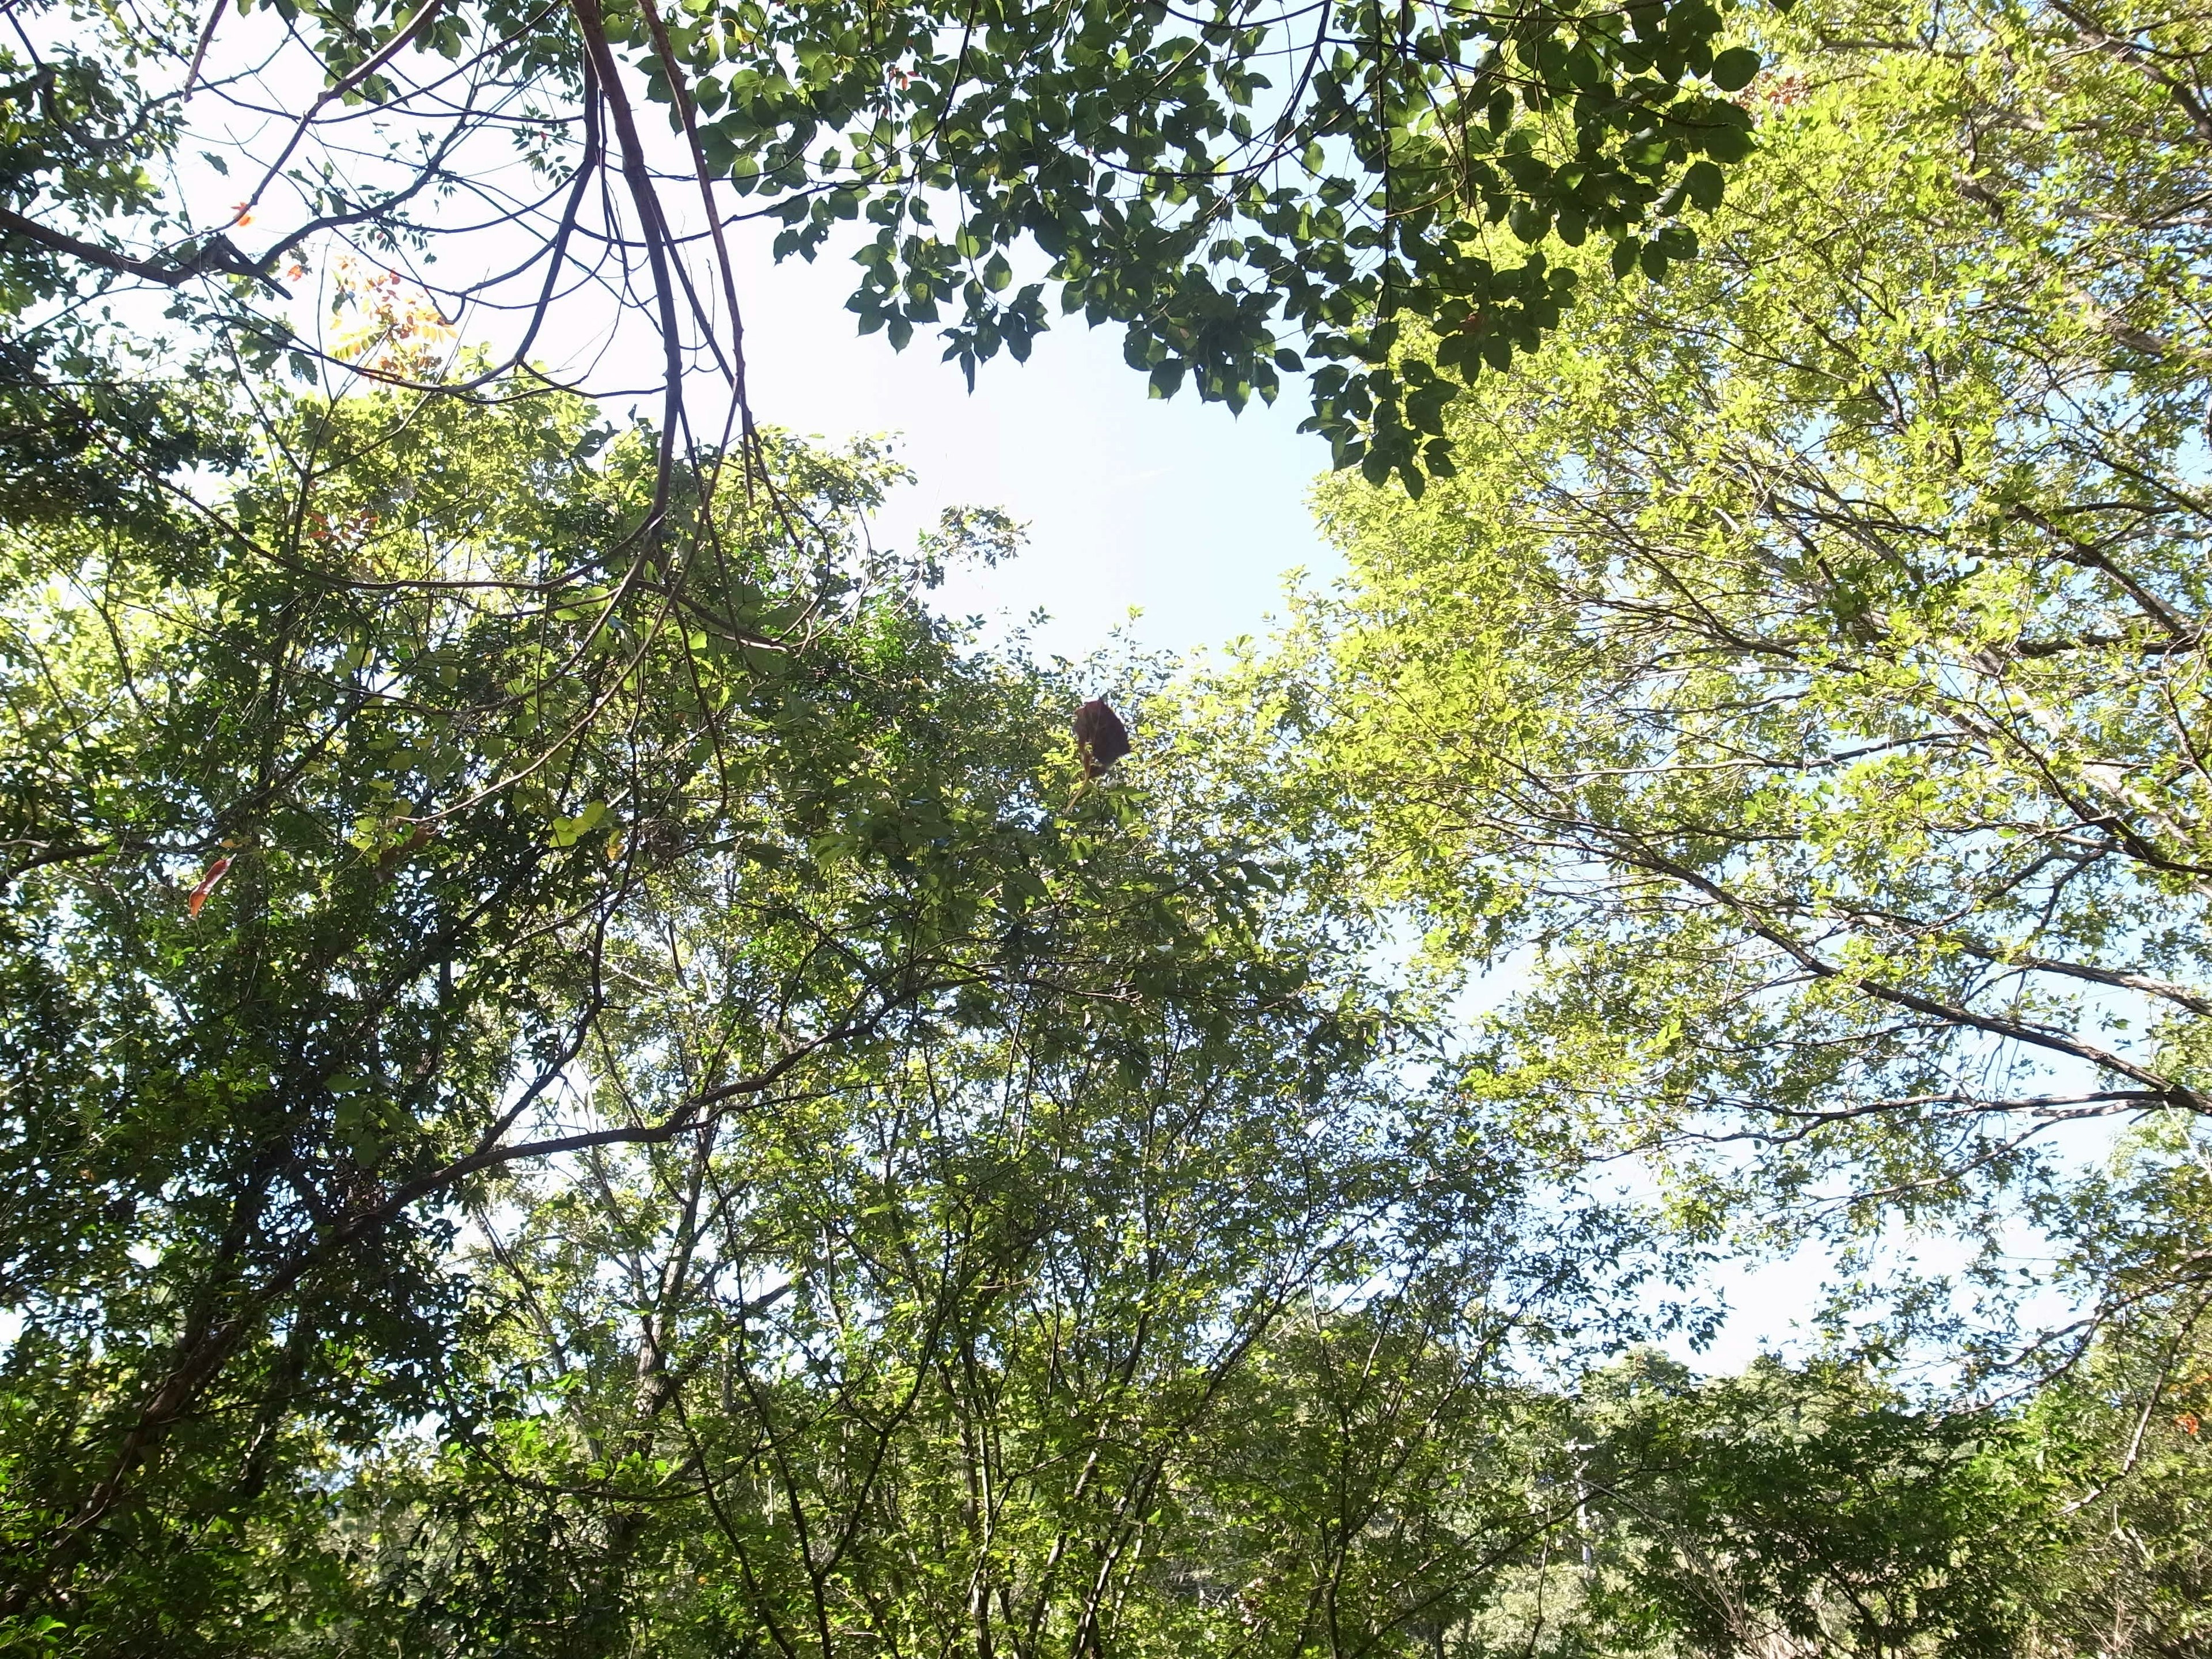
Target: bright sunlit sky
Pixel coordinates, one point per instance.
(1175, 507)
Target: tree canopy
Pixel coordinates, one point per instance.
(587, 1074)
(1807, 662)
(1249, 190)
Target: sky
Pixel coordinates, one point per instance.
(1175, 508)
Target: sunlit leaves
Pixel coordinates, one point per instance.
(1805, 663)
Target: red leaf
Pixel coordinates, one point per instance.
(207, 884)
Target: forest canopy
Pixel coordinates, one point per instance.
(586, 1073)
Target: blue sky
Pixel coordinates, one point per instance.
(1173, 508)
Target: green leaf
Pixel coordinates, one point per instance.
(1735, 68)
(1705, 184)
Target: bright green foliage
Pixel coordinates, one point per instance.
(2118, 1439)
(1817, 1510)
(567, 1086)
(1795, 1510)
(77, 134)
(583, 1077)
(360, 715)
(78, 137)
(1808, 665)
(1038, 1385)
(2135, 1575)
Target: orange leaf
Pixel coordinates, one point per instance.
(207, 884)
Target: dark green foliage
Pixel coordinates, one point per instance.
(1811, 1508)
(1251, 192)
